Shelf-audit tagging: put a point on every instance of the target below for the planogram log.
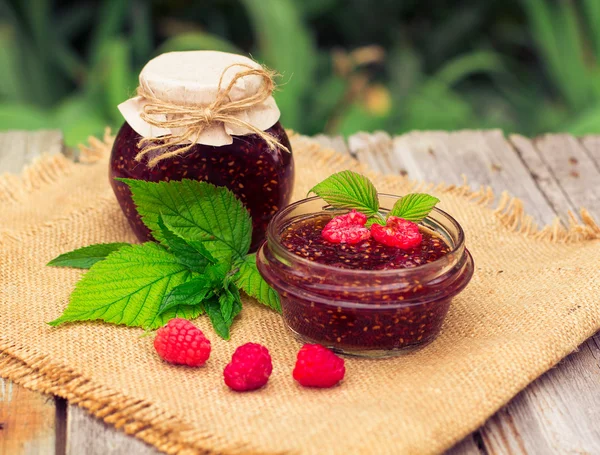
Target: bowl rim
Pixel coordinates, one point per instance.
(272, 241)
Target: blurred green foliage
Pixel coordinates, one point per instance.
(527, 66)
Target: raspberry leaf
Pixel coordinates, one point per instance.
(349, 190)
(249, 280)
(414, 207)
(192, 292)
(179, 311)
(198, 211)
(218, 321)
(84, 258)
(374, 220)
(127, 287)
(191, 253)
(229, 300)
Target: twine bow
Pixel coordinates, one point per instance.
(194, 119)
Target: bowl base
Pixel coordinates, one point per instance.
(361, 352)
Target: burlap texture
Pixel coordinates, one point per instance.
(533, 299)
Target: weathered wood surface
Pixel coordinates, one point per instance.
(27, 421)
(552, 174)
(90, 436)
(19, 148)
(32, 423)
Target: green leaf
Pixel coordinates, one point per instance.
(117, 81)
(197, 211)
(285, 44)
(13, 85)
(193, 254)
(15, 116)
(180, 311)
(249, 280)
(219, 323)
(465, 65)
(113, 14)
(229, 300)
(190, 293)
(126, 288)
(223, 306)
(414, 207)
(349, 190)
(84, 258)
(78, 119)
(197, 41)
(217, 273)
(142, 39)
(374, 220)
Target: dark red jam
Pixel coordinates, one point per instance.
(304, 239)
(365, 299)
(261, 178)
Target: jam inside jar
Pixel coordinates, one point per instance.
(358, 311)
(260, 177)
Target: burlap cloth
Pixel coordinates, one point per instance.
(533, 299)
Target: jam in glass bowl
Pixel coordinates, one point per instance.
(261, 178)
(366, 299)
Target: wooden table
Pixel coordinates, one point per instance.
(556, 414)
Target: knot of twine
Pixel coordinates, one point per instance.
(194, 119)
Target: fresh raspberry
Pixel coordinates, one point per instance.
(182, 343)
(397, 232)
(249, 369)
(349, 228)
(317, 366)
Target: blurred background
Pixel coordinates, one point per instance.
(526, 66)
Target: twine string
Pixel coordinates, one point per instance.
(194, 119)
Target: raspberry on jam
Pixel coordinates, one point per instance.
(397, 232)
(366, 298)
(349, 228)
(260, 177)
(304, 239)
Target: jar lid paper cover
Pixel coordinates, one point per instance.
(192, 78)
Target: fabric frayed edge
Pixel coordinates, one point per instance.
(147, 421)
(511, 212)
(509, 209)
(47, 169)
(138, 418)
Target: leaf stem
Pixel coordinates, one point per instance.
(380, 215)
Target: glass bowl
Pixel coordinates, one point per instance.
(373, 313)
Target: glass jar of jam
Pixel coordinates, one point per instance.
(365, 299)
(260, 177)
(207, 116)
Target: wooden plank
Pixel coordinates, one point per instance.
(541, 173)
(468, 446)
(20, 148)
(577, 174)
(336, 143)
(90, 436)
(591, 144)
(34, 423)
(27, 421)
(554, 414)
(484, 158)
(374, 150)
